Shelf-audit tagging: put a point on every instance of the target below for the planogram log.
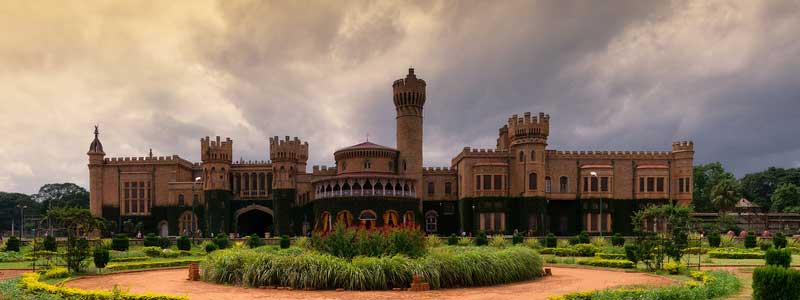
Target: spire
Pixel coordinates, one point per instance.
(151, 152)
(96, 147)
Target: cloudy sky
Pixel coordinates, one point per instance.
(613, 75)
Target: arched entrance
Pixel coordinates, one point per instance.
(254, 219)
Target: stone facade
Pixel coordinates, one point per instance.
(519, 185)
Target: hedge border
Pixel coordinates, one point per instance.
(31, 284)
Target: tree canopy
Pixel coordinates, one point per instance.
(705, 178)
(62, 195)
(786, 198)
(9, 210)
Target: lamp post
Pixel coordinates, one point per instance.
(194, 203)
(22, 220)
(594, 175)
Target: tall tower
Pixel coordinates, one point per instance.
(96, 156)
(528, 140)
(409, 99)
(682, 172)
(289, 157)
(216, 157)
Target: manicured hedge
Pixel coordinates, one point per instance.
(608, 263)
(129, 258)
(31, 284)
(776, 283)
(779, 257)
(706, 285)
(734, 254)
(610, 255)
(695, 250)
(148, 265)
(584, 250)
(120, 242)
(56, 272)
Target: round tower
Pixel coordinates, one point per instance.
(409, 99)
(96, 157)
(216, 157)
(527, 137)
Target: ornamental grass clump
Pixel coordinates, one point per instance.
(350, 242)
(498, 241)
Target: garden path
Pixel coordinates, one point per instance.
(564, 280)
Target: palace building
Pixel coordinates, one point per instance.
(519, 185)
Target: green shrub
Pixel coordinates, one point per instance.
(584, 250)
(152, 251)
(610, 255)
(164, 242)
(732, 253)
(550, 241)
(129, 258)
(778, 257)
(184, 243)
(714, 239)
(150, 264)
(498, 241)
(222, 241)
(599, 241)
(350, 242)
(303, 242)
(750, 240)
(674, 267)
(480, 239)
(532, 243)
(695, 250)
(608, 263)
(465, 241)
(452, 240)
(764, 245)
(517, 239)
(50, 243)
(151, 240)
(633, 253)
(432, 241)
(101, 256)
(707, 285)
(56, 272)
(776, 282)
(12, 244)
(726, 241)
(254, 241)
(285, 242)
(779, 240)
(210, 247)
(583, 237)
(77, 253)
(618, 240)
(120, 242)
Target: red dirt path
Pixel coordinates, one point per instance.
(564, 280)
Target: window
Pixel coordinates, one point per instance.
(532, 181)
(405, 165)
(181, 201)
(651, 184)
(487, 182)
(604, 184)
(492, 222)
(448, 188)
(547, 184)
(533, 155)
(688, 187)
(187, 223)
(563, 182)
(641, 184)
(521, 156)
(391, 166)
(660, 184)
(680, 185)
(367, 164)
(431, 221)
(431, 188)
(594, 184)
(585, 184)
(477, 182)
(344, 167)
(498, 182)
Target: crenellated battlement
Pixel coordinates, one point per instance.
(216, 150)
(288, 149)
(609, 154)
(680, 146)
(145, 160)
(323, 170)
(438, 170)
(243, 162)
(528, 128)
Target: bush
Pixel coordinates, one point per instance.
(254, 241)
(779, 240)
(618, 240)
(285, 242)
(433, 241)
(550, 241)
(584, 250)
(707, 285)
(210, 247)
(733, 253)
(465, 241)
(50, 243)
(608, 263)
(101, 256)
(714, 239)
(695, 250)
(452, 240)
(517, 239)
(151, 240)
(633, 253)
(56, 272)
(674, 268)
(222, 241)
(164, 242)
(532, 243)
(12, 244)
(303, 242)
(120, 242)
(776, 282)
(610, 255)
(150, 264)
(498, 241)
(445, 267)
(727, 241)
(480, 239)
(350, 242)
(31, 284)
(764, 245)
(778, 257)
(184, 243)
(77, 252)
(750, 240)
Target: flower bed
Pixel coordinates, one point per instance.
(443, 267)
(608, 263)
(31, 284)
(149, 265)
(704, 285)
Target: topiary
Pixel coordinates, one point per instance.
(50, 243)
(184, 243)
(101, 256)
(583, 238)
(151, 240)
(550, 241)
(254, 241)
(633, 253)
(222, 241)
(480, 239)
(452, 240)
(285, 242)
(164, 242)
(211, 247)
(120, 242)
(775, 282)
(517, 239)
(12, 244)
(778, 257)
(779, 240)
(714, 239)
(617, 240)
(750, 240)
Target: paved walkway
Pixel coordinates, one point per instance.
(564, 280)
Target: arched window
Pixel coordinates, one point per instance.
(344, 216)
(431, 221)
(533, 155)
(521, 156)
(325, 221)
(431, 188)
(390, 218)
(181, 200)
(344, 165)
(367, 218)
(187, 224)
(562, 182)
(547, 184)
(532, 181)
(408, 218)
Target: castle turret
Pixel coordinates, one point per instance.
(682, 171)
(216, 157)
(527, 138)
(409, 99)
(96, 157)
(289, 157)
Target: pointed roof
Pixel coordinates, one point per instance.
(96, 147)
(366, 145)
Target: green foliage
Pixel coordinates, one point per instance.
(152, 251)
(184, 243)
(77, 252)
(550, 240)
(705, 178)
(452, 240)
(674, 267)
(714, 239)
(303, 242)
(464, 241)
(444, 268)
(610, 255)
(50, 243)
(725, 194)
(707, 285)
(350, 242)
(584, 249)
(726, 241)
(433, 241)
(695, 250)
(150, 264)
(776, 283)
(498, 241)
(633, 253)
(779, 240)
(56, 272)
(222, 241)
(599, 241)
(608, 263)
(210, 247)
(778, 257)
(532, 243)
(151, 240)
(120, 242)
(101, 256)
(285, 242)
(12, 244)
(517, 239)
(62, 195)
(583, 238)
(164, 242)
(764, 244)
(480, 239)
(76, 220)
(618, 240)
(254, 241)
(750, 240)
(786, 198)
(734, 253)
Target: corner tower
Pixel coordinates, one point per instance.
(682, 172)
(409, 99)
(289, 157)
(96, 157)
(527, 137)
(216, 156)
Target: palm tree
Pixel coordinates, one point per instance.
(725, 194)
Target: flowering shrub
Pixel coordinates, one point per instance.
(349, 242)
(56, 272)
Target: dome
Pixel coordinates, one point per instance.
(366, 145)
(96, 147)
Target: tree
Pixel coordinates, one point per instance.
(760, 186)
(725, 194)
(786, 198)
(76, 221)
(10, 213)
(705, 178)
(53, 195)
(670, 239)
